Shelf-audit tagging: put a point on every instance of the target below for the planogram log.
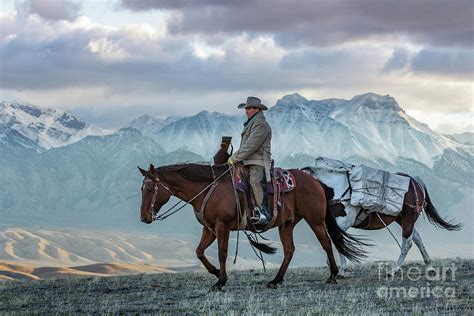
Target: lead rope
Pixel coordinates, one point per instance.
(389, 230)
(237, 202)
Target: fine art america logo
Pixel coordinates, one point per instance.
(416, 282)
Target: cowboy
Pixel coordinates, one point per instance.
(254, 152)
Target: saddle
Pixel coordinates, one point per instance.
(282, 181)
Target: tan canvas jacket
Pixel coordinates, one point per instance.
(255, 145)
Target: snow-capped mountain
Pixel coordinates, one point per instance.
(200, 133)
(42, 128)
(150, 126)
(369, 126)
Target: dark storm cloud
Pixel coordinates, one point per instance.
(66, 60)
(51, 9)
(322, 23)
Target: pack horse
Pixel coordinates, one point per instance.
(372, 199)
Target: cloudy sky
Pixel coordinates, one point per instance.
(113, 60)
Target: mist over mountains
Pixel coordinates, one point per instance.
(60, 170)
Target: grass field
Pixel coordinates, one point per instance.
(365, 290)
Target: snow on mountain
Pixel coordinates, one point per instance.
(42, 128)
(386, 125)
(150, 126)
(301, 126)
(200, 133)
(370, 126)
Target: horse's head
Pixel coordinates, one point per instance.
(222, 154)
(154, 195)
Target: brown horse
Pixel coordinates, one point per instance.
(415, 200)
(307, 201)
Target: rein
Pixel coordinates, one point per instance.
(170, 211)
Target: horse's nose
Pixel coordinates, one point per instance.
(143, 219)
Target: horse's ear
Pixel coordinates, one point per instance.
(143, 172)
(152, 169)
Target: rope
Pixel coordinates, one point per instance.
(388, 230)
(167, 213)
(237, 201)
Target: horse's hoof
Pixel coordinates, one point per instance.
(272, 285)
(217, 287)
(331, 281)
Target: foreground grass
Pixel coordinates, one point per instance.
(304, 291)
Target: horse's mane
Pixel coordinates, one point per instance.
(195, 172)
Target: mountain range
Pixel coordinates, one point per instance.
(58, 169)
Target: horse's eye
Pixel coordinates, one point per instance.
(149, 191)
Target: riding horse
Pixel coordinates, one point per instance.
(189, 181)
(415, 200)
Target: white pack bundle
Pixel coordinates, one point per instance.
(378, 190)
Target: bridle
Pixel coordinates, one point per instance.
(155, 194)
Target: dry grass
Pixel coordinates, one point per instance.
(304, 291)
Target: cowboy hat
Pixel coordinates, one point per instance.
(253, 102)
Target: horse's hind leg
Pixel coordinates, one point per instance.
(325, 241)
(286, 237)
(207, 238)
(421, 247)
(343, 266)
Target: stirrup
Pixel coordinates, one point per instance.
(259, 217)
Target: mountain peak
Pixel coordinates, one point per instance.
(42, 128)
(292, 99)
(375, 101)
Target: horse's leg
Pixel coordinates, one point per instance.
(424, 253)
(286, 237)
(223, 243)
(407, 223)
(342, 266)
(320, 232)
(207, 238)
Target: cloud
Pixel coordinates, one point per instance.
(80, 53)
(51, 9)
(455, 62)
(322, 23)
(399, 60)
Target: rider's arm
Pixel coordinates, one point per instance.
(257, 136)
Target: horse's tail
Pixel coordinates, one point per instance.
(347, 245)
(269, 250)
(433, 215)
